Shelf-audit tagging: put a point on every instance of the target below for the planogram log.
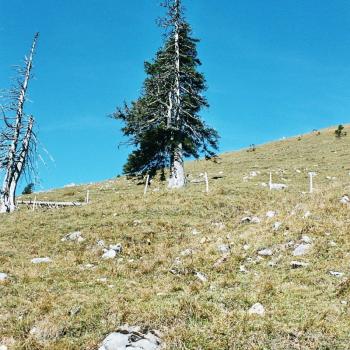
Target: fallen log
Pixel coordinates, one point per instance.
(51, 204)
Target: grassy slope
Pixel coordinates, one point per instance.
(305, 308)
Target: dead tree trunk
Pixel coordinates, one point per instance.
(19, 137)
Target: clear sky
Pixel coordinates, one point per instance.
(274, 68)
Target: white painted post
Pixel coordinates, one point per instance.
(311, 184)
(146, 185)
(87, 196)
(206, 182)
(34, 203)
(270, 182)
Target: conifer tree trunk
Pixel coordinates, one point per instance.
(177, 171)
(16, 159)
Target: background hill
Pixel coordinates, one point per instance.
(190, 267)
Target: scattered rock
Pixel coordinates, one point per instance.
(265, 252)
(242, 269)
(116, 247)
(3, 347)
(109, 254)
(41, 260)
(301, 249)
(224, 248)
(195, 232)
(3, 276)
(298, 264)
(257, 309)
(276, 225)
(255, 220)
(306, 215)
(127, 337)
(306, 239)
(219, 225)
(270, 214)
(252, 220)
(332, 244)
(201, 276)
(221, 260)
(336, 273)
(101, 243)
(246, 247)
(73, 236)
(345, 199)
(263, 184)
(187, 252)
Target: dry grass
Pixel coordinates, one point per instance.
(306, 308)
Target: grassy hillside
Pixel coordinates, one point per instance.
(68, 305)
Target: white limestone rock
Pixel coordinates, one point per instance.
(74, 237)
(3, 276)
(109, 254)
(336, 273)
(270, 214)
(265, 252)
(298, 264)
(302, 249)
(257, 309)
(41, 260)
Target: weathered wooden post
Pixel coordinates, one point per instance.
(146, 185)
(34, 203)
(87, 197)
(311, 182)
(206, 182)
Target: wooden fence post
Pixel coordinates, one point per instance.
(146, 185)
(206, 182)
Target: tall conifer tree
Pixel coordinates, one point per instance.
(164, 124)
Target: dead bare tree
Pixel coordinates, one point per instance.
(17, 139)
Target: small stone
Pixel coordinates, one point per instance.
(187, 252)
(263, 184)
(242, 269)
(301, 249)
(3, 276)
(195, 232)
(41, 260)
(253, 174)
(332, 244)
(270, 214)
(345, 199)
(203, 240)
(221, 260)
(265, 252)
(246, 219)
(277, 225)
(257, 309)
(73, 236)
(224, 248)
(101, 243)
(116, 247)
(306, 215)
(201, 276)
(306, 239)
(298, 264)
(246, 247)
(255, 220)
(219, 225)
(109, 254)
(336, 273)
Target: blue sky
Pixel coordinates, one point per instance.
(274, 69)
